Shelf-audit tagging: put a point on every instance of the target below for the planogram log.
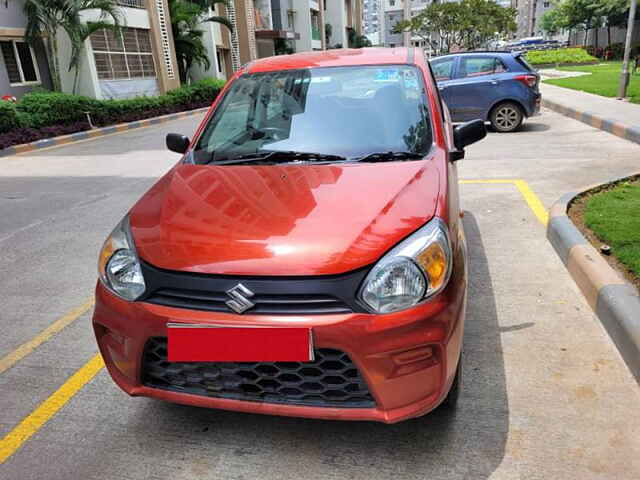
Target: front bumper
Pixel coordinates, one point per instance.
(408, 359)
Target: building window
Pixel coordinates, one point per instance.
(131, 3)
(219, 60)
(546, 4)
(20, 62)
(123, 54)
(392, 3)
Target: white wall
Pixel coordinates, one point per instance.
(337, 17)
(87, 78)
(133, 17)
(302, 25)
(212, 37)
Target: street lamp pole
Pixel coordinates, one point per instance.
(624, 75)
(406, 35)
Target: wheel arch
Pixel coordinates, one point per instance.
(497, 103)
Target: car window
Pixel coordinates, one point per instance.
(522, 61)
(345, 111)
(443, 69)
(479, 66)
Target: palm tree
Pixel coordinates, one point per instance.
(45, 18)
(187, 37)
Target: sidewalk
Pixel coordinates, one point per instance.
(608, 114)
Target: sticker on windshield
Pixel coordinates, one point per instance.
(387, 75)
(410, 80)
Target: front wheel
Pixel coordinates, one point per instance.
(506, 117)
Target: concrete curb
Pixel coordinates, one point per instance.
(593, 120)
(614, 301)
(96, 132)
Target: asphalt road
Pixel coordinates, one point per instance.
(546, 394)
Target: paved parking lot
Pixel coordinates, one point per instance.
(546, 394)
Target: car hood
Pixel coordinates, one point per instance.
(282, 219)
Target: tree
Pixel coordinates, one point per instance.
(614, 13)
(46, 18)
(554, 21)
(186, 16)
(328, 31)
(583, 14)
(357, 41)
(468, 24)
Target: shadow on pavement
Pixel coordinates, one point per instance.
(137, 140)
(533, 126)
(467, 443)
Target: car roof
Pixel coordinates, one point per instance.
(342, 57)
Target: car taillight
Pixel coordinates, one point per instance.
(528, 80)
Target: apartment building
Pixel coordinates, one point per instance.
(394, 13)
(22, 67)
(372, 17)
(263, 28)
(529, 13)
(345, 18)
(140, 58)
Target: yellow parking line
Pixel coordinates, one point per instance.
(533, 201)
(529, 196)
(47, 409)
(26, 348)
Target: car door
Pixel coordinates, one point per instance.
(443, 72)
(474, 88)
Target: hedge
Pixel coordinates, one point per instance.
(8, 116)
(41, 114)
(563, 55)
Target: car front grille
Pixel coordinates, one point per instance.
(330, 380)
(272, 295)
(264, 304)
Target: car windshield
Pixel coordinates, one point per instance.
(325, 114)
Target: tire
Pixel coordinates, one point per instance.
(506, 117)
(450, 402)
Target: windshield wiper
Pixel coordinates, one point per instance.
(389, 156)
(275, 156)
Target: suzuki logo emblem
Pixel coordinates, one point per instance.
(240, 296)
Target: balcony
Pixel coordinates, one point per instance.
(262, 10)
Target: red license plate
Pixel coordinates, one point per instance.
(204, 343)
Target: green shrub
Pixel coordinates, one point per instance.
(48, 108)
(9, 118)
(563, 55)
(41, 108)
(204, 90)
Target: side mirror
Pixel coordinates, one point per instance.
(468, 133)
(177, 143)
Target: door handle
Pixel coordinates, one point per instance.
(494, 82)
(441, 87)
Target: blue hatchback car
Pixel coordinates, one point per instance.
(498, 87)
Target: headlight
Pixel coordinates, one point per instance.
(118, 265)
(416, 269)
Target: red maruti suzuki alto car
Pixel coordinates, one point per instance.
(305, 257)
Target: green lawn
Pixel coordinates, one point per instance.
(614, 216)
(604, 80)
